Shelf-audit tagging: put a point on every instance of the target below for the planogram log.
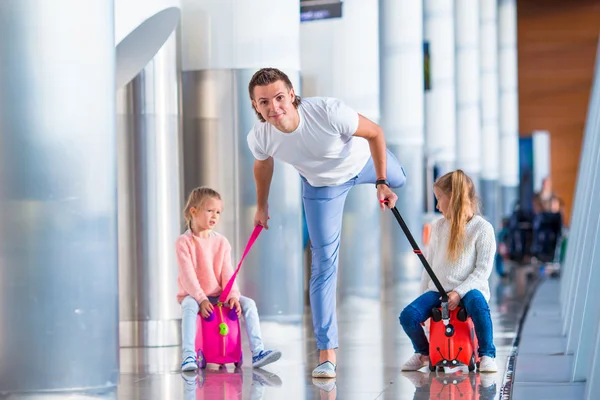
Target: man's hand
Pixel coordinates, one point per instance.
(262, 217)
(263, 173)
(235, 304)
(453, 300)
(206, 308)
(386, 196)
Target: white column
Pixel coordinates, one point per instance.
(509, 104)
(402, 119)
(340, 58)
(490, 135)
(440, 101)
(224, 43)
(231, 34)
(141, 29)
(334, 68)
(468, 118)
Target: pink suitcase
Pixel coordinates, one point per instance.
(218, 337)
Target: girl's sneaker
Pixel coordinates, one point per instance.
(189, 364)
(487, 364)
(265, 357)
(416, 362)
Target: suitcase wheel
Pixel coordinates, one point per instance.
(472, 363)
(436, 314)
(201, 360)
(462, 315)
(431, 366)
(239, 363)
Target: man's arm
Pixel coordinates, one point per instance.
(263, 174)
(374, 134)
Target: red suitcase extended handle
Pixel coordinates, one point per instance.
(228, 287)
(418, 252)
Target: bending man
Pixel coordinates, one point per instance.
(333, 148)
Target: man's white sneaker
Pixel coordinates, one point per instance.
(416, 362)
(487, 364)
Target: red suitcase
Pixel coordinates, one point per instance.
(452, 339)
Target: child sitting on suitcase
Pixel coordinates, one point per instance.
(204, 260)
(461, 253)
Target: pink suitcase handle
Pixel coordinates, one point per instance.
(253, 237)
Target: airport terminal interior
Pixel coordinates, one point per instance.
(112, 112)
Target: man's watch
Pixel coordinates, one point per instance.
(382, 182)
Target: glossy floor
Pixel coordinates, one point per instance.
(372, 348)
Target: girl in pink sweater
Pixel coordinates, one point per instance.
(204, 261)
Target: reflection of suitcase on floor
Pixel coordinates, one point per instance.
(453, 387)
(463, 386)
(218, 337)
(452, 339)
(220, 384)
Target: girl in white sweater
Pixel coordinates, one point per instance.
(461, 253)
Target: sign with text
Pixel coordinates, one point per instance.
(313, 10)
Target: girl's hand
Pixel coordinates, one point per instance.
(206, 308)
(453, 300)
(234, 303)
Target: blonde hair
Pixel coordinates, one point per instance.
(196, 198)
(463, 202)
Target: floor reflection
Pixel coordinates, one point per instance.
(227, 382)
(455, 385)
(373, 346)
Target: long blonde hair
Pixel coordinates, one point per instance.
(463, 203)
(196, 199)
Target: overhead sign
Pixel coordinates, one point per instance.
(312, 10)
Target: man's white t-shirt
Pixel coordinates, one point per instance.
(322, 148)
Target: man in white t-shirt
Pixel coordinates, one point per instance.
(333, 148)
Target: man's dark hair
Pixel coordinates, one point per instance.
(266, 76)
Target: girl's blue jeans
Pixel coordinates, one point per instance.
(419, 311)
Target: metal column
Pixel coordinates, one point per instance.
(150, 202)
(58, 214)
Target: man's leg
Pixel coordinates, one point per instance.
(324, 209)
(394, 172)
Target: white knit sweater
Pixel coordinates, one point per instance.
(473, 267)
